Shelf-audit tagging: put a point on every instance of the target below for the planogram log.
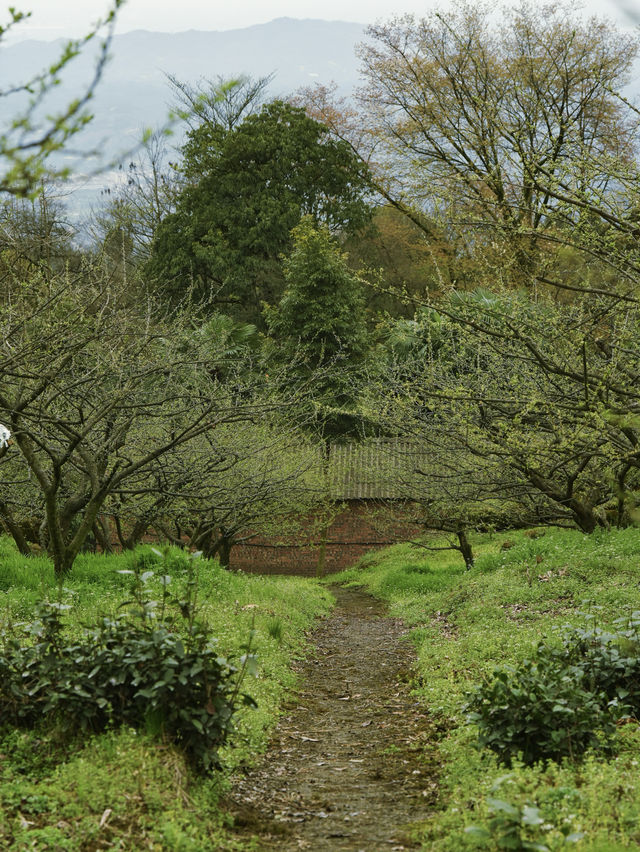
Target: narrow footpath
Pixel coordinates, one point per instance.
(350, 766)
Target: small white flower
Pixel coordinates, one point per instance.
(5, 435)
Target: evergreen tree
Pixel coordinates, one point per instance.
(319, 327)
(246, 188)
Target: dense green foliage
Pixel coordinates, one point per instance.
(246, 187)
(318, 331)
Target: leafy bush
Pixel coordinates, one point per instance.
(137, 669)
(521, 825)
(568, 698)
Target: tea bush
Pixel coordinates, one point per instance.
(522, 824)
(137, 669)
(568, 698)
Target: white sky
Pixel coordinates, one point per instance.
(58, 18)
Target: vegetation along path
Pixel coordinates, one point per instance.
(349, 765)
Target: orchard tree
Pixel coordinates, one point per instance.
(246, 188)
(542, 395)
(95, 390)
(239, 482)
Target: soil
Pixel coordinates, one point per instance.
(352, 764)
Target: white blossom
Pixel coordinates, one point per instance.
(5, 436)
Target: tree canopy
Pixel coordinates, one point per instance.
(318, 330)
(247, 186)
(487, 120)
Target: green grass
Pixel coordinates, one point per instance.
(121, 789)
(465, 624)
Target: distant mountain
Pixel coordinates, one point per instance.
(134, 93)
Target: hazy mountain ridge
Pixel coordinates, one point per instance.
(134, 92)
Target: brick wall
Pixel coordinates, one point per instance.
(359, 527)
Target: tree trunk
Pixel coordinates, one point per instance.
(207, 545)
(135, 535)
(62, 562)
(322, 553)
(224, 550)
(107, 533)
(584, 516)
(14, 529)
(465, 548)
(21, 541)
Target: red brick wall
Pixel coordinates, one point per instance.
(360, 526)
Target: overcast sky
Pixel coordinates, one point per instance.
(56, 18)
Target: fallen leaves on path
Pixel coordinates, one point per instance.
(352, 762)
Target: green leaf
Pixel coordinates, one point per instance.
(531, 815)
(478, 832)
(503, 807)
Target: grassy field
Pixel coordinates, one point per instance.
(465, 625)
(125, 790)
(121, 789)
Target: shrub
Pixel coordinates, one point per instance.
(137, 669)
(568, 698)
(523, 824)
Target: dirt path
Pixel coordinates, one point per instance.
(349, 767)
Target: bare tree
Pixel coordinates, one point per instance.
(124, 227)
(222, 102)
(95, 390)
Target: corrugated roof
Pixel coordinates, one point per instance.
(379, 468)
